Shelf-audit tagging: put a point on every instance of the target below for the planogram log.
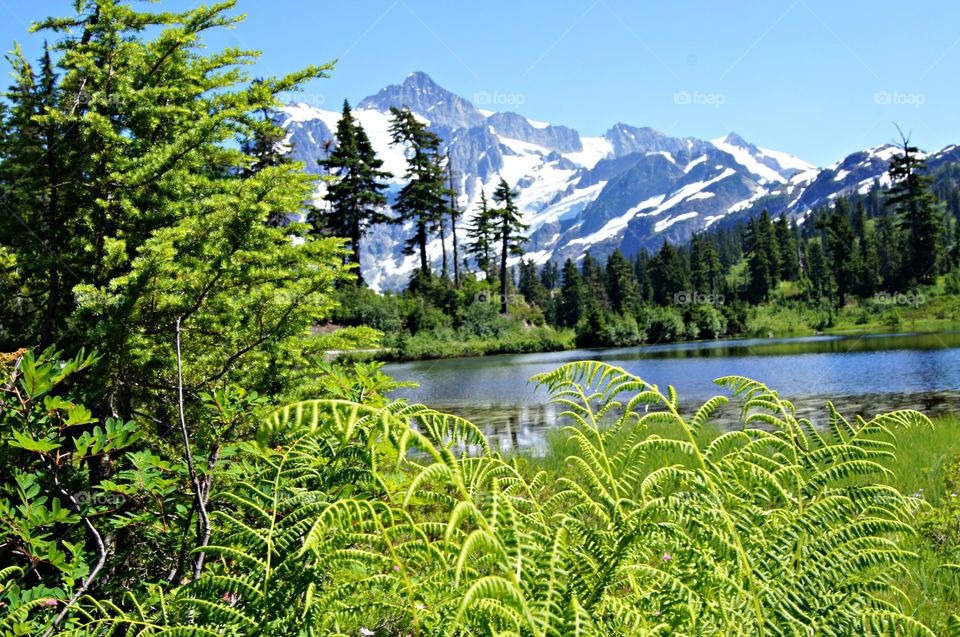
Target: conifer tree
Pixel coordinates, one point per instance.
(762, 257)
(919, 214)
(423, 200)
(667, 274)
(789, 256)
(355, 185)
(481, 233)
(572, 295)
(510, 229)
(622, 290)
(143, 208)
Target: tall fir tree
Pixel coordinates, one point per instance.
(423, 199)
(919, 214)
(355, 187)
(622, 289)
(572, 295)
(668, 275)
(481, 232)
(510, 233)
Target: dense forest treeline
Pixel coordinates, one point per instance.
(882, 252)
(178, 457)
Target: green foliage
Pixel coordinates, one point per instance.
(355, 185)
(346, 519)
(145, 208)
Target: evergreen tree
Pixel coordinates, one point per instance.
(789, 255)
(423, 200)
(840, 240)
(705, 268)
(481, 233)
(572, 295)
(818, 271)
(920, 216)
(510, 229)
(889, 245)
(622, 290)
(266, 149)
(143, 208)
(529, 285)
(355, 185)
(641, 267)
(761, 258)
(550, 276)
(594, 280)
(667, 275)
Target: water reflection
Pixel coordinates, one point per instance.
(861, 374)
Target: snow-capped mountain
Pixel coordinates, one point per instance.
(629, 188)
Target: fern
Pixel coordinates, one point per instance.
(401, 520)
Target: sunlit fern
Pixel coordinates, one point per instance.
(402, 521)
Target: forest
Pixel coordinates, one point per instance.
(181, 455)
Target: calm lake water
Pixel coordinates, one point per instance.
(863, 374)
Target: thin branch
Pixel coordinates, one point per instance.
(93, 573)
(197, 489)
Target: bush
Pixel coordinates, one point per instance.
(662, 324)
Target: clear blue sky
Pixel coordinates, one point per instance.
(816, 78)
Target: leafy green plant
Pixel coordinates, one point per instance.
(352, 519)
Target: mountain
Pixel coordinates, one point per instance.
(630, 188)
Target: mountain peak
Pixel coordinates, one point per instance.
(421, 79)
(734, 139)
(422, 95)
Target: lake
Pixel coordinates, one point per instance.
(861, 374)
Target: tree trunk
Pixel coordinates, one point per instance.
(355, 257)
(454, 213)
(443, 249)
(422, 241)
(505, 241)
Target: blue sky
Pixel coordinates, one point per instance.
(818, 79)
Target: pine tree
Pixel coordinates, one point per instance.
(265, 146)
(760, 264)
(530, 286)
(423, 200)
(789, 256)
(668, 275)
(919, 214)
(594, 280)
(572, 295)
(355, 185)
(818, 271)
(550, 276)
(510, 229)
(840, 240)
(622, 289)
(890, 252)
(705, 267)
(147, 210)
(481, 233)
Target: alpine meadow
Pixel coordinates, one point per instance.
(273, 364)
